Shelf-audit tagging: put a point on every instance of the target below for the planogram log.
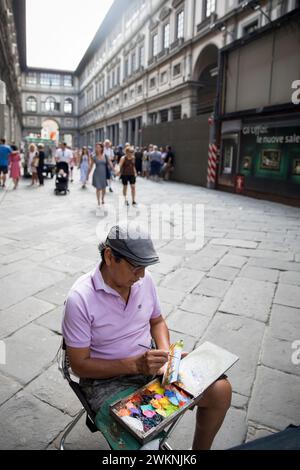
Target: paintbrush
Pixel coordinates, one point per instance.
(147, 347)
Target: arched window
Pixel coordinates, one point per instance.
(50, 104)
(31, 104)
(68, 106)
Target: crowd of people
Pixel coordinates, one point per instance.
(105, 162)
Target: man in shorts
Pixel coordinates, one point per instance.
(5, 152)
(110, 313)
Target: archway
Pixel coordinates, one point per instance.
(206, 76)
(50, 130)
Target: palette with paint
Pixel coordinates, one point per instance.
(146, 412)
(150, 409)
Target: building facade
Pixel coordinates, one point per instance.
(259, 112)
(10, 77)
(150, 75)
(50, 105)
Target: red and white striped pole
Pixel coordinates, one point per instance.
(212, 156)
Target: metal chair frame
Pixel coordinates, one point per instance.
(64, 367)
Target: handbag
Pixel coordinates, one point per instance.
(108, 172)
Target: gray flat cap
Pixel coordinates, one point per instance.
(132, 242)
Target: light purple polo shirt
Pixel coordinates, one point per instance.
(96, 316)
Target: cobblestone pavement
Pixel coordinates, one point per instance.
(240, 291)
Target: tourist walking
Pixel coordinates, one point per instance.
(110, 155)
(32, 163)
(101, 163)
(14, 165)
(156, 163)
(84, 165)
(5, 151)
(146, 162)
(41, 164)
(138, 160)
(168, 166)
(128, 174)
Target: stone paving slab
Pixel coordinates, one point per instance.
(22, 313)
(233, 261)
(276, 255)
(168, 263)
(236, 334)
(200, 262)
(57, 293)
(27, 423)
(29, 352)
(260, 274)
(212, 287)
(235, 243)
(69, 264)
(50, 387)
(257, 432)
(189, 323)
(170, 296)
(81, 438)
(200, 304)
(233, 431)
(288, 295)
(17, 286)
(273, 399)
(277, 352)
(224, 272)
(249, 298)
(290, 277)
(166, 309)
(285, 322)
(274, 263)
(52, 320)
(16, 266)
(183, 280)
(239, 401)
(8, 388)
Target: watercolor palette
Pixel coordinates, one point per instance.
(146, 412)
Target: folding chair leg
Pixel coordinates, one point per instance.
(69, 428)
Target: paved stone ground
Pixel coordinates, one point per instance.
(240, 291)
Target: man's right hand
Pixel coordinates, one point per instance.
(151, 361)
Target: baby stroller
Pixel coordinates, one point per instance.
(62, 178)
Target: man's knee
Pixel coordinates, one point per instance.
(218, 395)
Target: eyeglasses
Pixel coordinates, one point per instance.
(133, 268)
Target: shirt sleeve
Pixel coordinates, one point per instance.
(76, 325)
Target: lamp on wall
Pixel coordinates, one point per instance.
(222, 26)
(255, 6)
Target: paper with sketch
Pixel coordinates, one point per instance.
(202, 367)
(172, 367)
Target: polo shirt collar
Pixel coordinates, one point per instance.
(99, 284)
